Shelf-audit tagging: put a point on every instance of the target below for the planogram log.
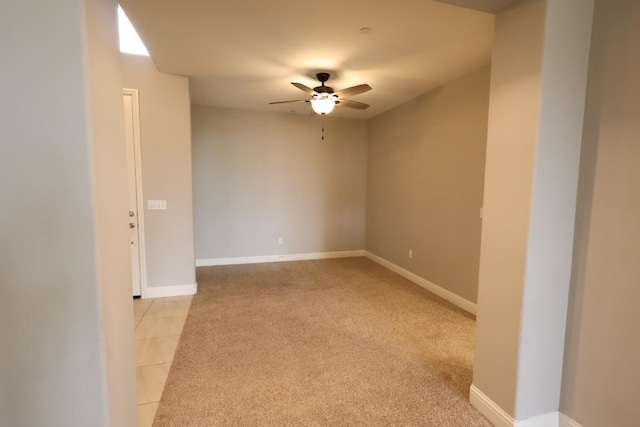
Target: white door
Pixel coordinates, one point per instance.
(136, 238)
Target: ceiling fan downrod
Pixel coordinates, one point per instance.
(322, 78)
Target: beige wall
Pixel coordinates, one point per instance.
(601, 375)
(165, 127)
(425, 183)
(111, 207)
(508, 181)
(567, 37)
(67, 341)
(538, 86)
(260, 176)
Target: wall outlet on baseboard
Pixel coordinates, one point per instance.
(280, 240)
(410, 254)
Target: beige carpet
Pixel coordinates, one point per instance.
(341, 342)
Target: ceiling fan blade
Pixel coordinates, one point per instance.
(304, 88)
(353, 90)
(284, 102)
(352, 104)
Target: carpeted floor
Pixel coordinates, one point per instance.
(339, 342)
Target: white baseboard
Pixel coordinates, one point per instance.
(487, 407)
(277, 258)
(552, 419)
(431, 287)
(171, 291)
(500, 418)
(567, 421)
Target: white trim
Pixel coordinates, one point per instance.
(567, 421)
(171, 291)
(137, 154)
(552, 419)
(500, 418)
(277, 258)
(487, 407)
(431, 287)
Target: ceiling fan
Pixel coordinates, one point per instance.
(324, 98)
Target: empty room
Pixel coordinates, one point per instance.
(283, 213)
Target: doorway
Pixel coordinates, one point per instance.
(134, 183)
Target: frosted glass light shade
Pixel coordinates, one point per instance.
(323, 106)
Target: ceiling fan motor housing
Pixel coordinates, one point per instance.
(323, 77)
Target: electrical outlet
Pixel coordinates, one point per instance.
(156, 204)
(280, 240)
(410, 254)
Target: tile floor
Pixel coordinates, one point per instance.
(158, 323)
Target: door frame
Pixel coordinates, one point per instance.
(139, 191)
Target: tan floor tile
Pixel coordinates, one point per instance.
(155, 350)
(159, 327)
(151, 381)
(167, 308)
(140, 306)
(180, 298)
(146, 414)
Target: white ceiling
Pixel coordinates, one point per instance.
(244, 53)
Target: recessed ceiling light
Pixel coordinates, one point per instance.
(365, 30)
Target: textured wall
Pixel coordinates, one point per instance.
(260, 176)
(601, 375)
(538, 87)
(104, 78)
(165, 133)
(425, 183)
(65, 303)
(513, 121)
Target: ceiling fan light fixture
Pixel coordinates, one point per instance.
(324, 98)
(323, 105)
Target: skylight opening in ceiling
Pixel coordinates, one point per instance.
(130, 41)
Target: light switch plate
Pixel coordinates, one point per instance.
(156, 204)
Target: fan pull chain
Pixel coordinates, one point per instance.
(323, 127)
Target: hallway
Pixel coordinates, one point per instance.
(158, 323)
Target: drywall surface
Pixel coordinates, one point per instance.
(261, 176)
(60, 334)
(104, 79)
(601, 375)
(511, 144)
(425, 183)
(165, 133)
(553, 206)
(533, 150)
